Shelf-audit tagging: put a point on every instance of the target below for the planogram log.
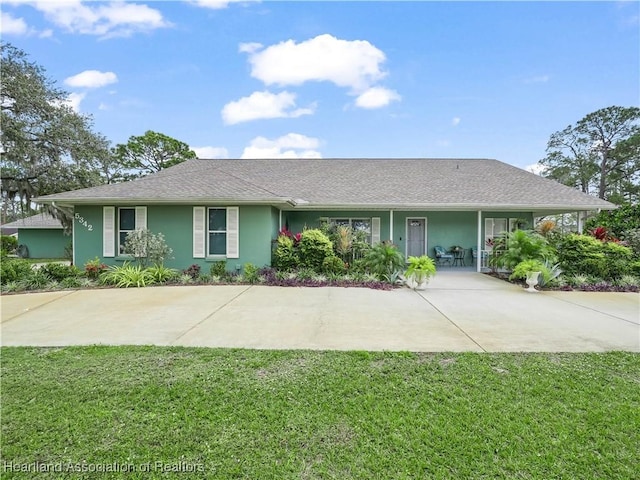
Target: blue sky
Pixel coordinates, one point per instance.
(337, 79)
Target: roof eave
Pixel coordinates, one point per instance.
(547, 209)
(70, 202)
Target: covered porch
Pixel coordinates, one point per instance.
(465, 236)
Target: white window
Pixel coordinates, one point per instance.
(493, 229)
(129, 220)
(369, 228)
(216, 232)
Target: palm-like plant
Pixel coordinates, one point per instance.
(420, 269)
(521, 245)
(385, 261)
(343, 241)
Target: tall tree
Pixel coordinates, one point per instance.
(45, 147)
(599, 154)
(151, 153)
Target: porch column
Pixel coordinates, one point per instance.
(391, 225)
(279, 220)
(479, 245)
(580, 222)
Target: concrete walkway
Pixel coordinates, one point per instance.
(460, 311)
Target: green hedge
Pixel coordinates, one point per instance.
(585, 255)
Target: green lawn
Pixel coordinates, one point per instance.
(307, 415)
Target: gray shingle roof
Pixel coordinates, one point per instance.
(41, 220)
(446, 184)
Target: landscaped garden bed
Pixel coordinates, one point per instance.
(337, 255)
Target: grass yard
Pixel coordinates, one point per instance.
(149, 412)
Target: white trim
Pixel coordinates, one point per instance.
(233, 232)
(141, 217)
(108, 232)
(375, 230)
(406, 235)
(391, 225)
(199, 243)
(479, 246)
(580, 222)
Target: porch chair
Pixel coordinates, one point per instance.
(442, 255)
(474, 254)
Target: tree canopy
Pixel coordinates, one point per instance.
(46, 147)
(150, 153)
(600, 154)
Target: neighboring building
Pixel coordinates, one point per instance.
(40, 236)
(210, 210)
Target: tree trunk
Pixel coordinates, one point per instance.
(603, 175)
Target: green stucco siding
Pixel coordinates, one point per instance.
(44, 242)
(257, 227)
(256, 232)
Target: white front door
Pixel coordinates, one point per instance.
(416, 237)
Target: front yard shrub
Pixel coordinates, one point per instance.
(385, 261)
(218, 269)
(193, 271)
(162, 274)
(251, 273)
(147, 247)
(634, 268)
(586, 255)
(313, 248)
(625, 217)
(70, 282)
(521, 245)
(285, 256)
(14, 270)
(8, 244)
(333, 265)
(631, 239)
(58, 271)
(525, 267)
(127, 275)
(305, 273)
(628, 281)
(420, 269)
(38, 280)
(94, 268)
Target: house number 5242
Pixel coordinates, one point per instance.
(83, 222)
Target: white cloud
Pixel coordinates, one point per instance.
(112, 19)
(354, 64)
(73, 101)
(211, 152)
(538, 79)
(292, 145)
(218, 4)
(455, 121)
(536, 168)
(10, 25)
(249, 47)
(377, 97)
(104, 106)
(260, 105)
(91, 79)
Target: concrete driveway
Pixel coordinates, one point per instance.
(460, 311)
